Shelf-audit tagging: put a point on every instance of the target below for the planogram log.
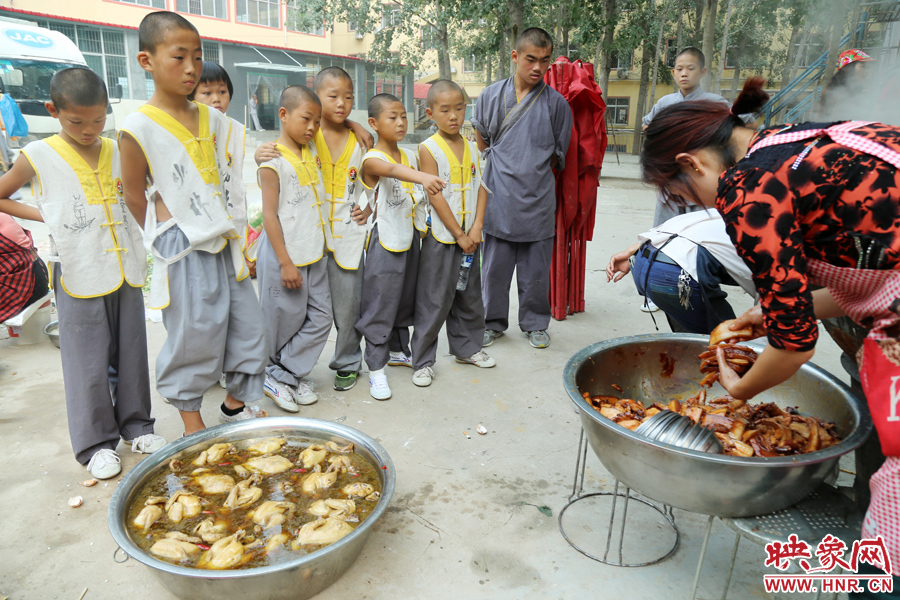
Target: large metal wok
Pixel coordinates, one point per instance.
(297, 579)
(721, 485)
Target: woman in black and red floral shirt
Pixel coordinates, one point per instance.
(815, 204)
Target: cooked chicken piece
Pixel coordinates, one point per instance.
(147, 517)
(272, 514)
(225, 553)
(332, 507)
(321, 531)
(175, 465)
(177, 535)
(311, 456)
(267, 446)
(360, 490)
(211, 531)
(241, 471)
(182, 505)
(268, 465)
(213, 455)
(213, 483)
(610, 412)
(334, 447)
(630, 424)
(174, 549)
(340, 464)
(244, 493)
(723, 332)
(201, 459)
(155, 500)
(277, 541)
(317, 481)
(651, 411)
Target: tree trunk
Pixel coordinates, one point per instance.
(720, 70)
(697, 36)
(679, 39)
(789, 59)
(834, 44)
(736, 80)
(488, 70)
(516, 21)
(603, 64)
(642, 95)
(709, 36)
(659, 38)
(443, 47)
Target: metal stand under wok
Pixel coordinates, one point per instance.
(578, 495)
(825, 511)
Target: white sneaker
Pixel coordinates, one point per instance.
(304, 393)
(378, 385)
(423, 377)
(147, 443)
(649, 305)
(222, 382)
(251, 411)
(281, 394)
(398, 359)
(104, 464)
(479, 359)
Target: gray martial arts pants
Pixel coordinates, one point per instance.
(531, 262)
(103, 344)
(388, 297)
(297, 321)
(438, 301)
(214, 326)
(346, 291)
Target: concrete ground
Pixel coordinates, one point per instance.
(465, 521)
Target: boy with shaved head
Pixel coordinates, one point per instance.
(292, 272)
(523, 127)
(174, 161)
(341, 157)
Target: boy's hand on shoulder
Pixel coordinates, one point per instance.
(291, 277)
(266, 152)
(433, 184)
(466, 243)
(363, 137)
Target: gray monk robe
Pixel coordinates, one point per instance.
(522, 139)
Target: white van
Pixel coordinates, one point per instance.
(29, 57)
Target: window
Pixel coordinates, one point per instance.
(390, 15)
(352, 26)
(384, 82)
(618, 110)
(149, 84)
(205, 8)
(470, 65)
(147, 3)
(259, 12)
(303, 18)
(624, 59)
(429, 38)
(211, 52)
(103, 50)
(810, 51)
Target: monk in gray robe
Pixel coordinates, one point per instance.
(523, 128)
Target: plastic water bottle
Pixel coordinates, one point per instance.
(464, 267)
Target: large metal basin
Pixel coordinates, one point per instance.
(296, 579)
(721, 485)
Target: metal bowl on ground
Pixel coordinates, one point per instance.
(296, 579)
(715, 484)
(52, 332)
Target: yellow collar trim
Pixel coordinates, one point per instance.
(201, 149)
(460, 172)
(334, 174)
(94, 192)
(304, 165)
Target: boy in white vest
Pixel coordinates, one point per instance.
(98, 269)
(450, 259)
(174, 163)
(292, 275)
(389, 282)
(341, 158)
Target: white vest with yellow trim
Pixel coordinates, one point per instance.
(192, 191)
(95, 237)
(343, 190)
(463, 180)
(399, 206)
(300, 192)
(233, 179)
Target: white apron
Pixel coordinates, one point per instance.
(185, 174)
(343, 191)
(299, 192)
(463, 181)
(93, 234)
(400, 207)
